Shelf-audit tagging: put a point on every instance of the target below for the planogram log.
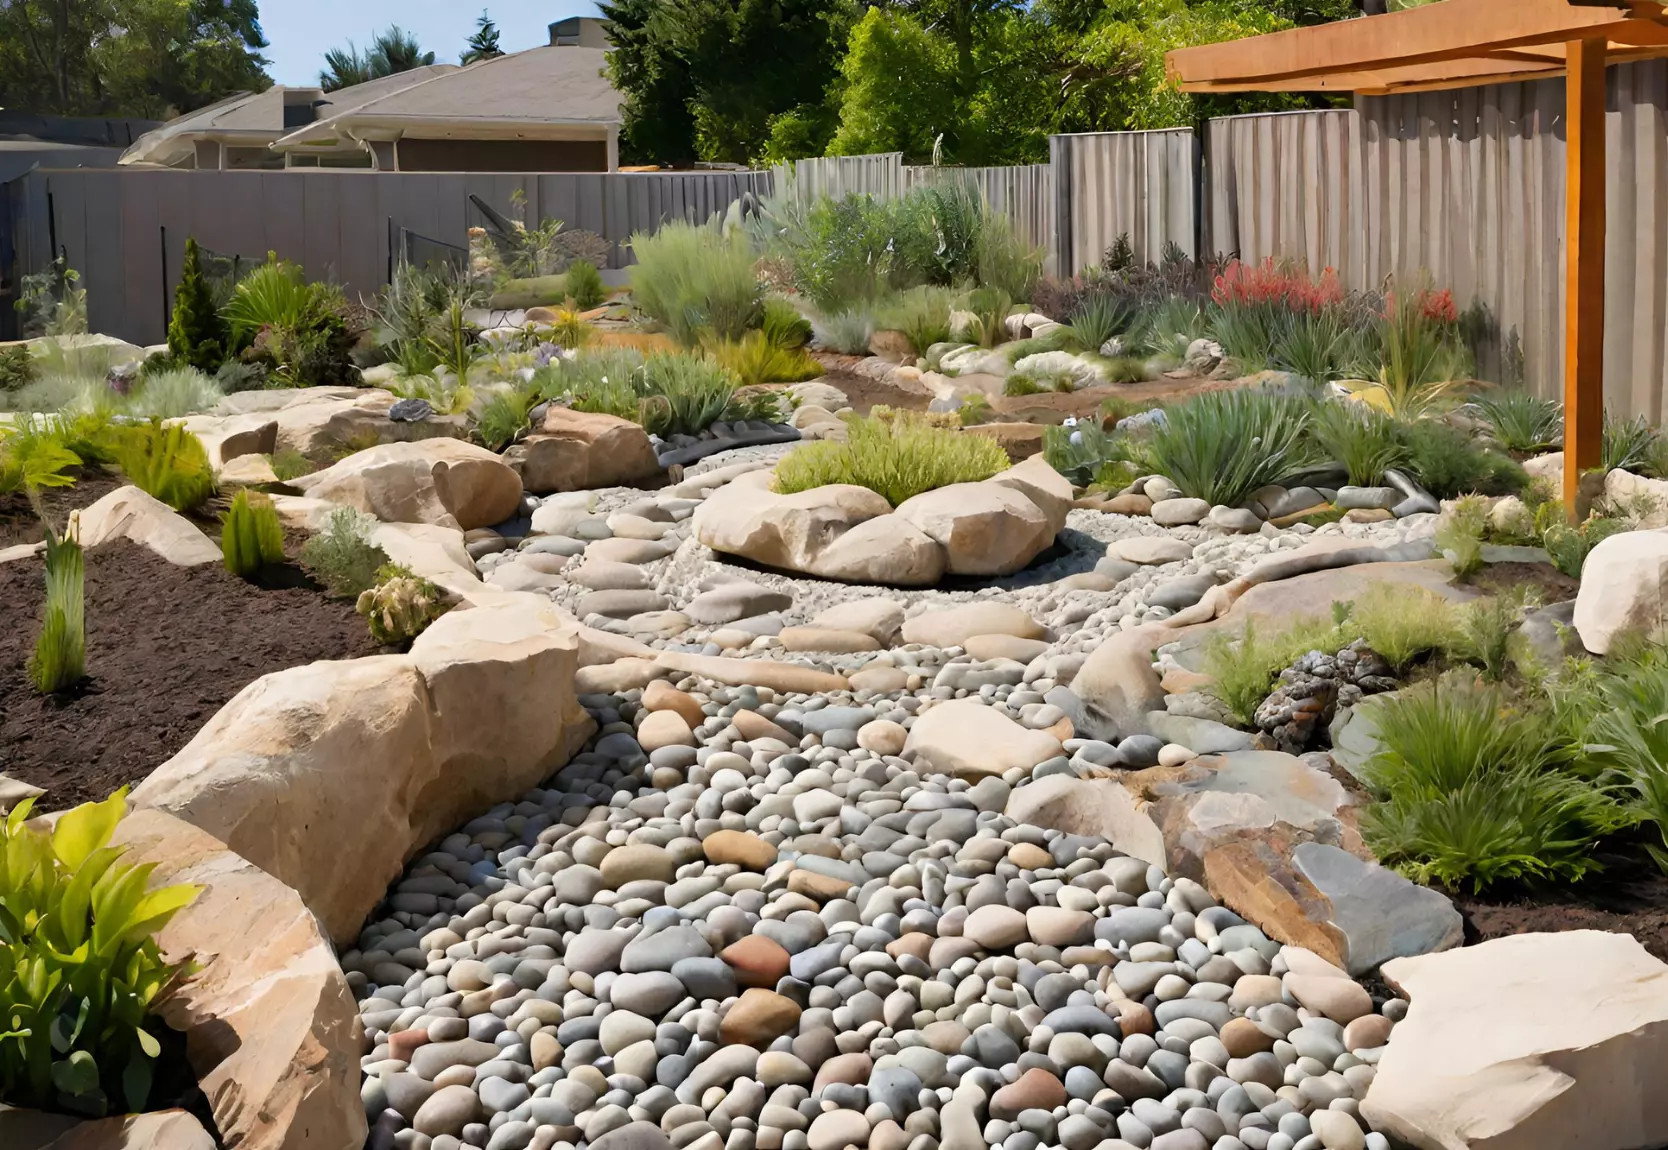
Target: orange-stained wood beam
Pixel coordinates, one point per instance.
(1583, 265)
(1452, 30)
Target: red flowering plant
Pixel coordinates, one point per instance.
(1422, 350)
(1256, 306)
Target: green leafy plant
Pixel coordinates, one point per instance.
(82, 971)
(1080, 453)
(783, 327)
(1448, 462)
(17, 368)
(1022, 383)
(922, 315)
(290, 464)
(197, 335)
(1363, 440)
(173, 393)
(1487, 626)
(166, 461)
(400, 606)
(342, 556)
(1523, 423)
(51, 304)
(1243, 668)
(1629, 734)
(274, 294)
(1460, 533)
(1471, 796)
(1403, 623)
(1223, 445)
(974, 410)
(235, 376)
(1100, 319)
(59, 660)
(689, 277)
(1421, 359)
(35, 454)
(251, 536)
(1006, 261)
(683, 394)
(1315, 345)
(897, 459)
(584, 284)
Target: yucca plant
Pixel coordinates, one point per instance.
(1364, 441)
(1223, 445)
(59, 660)
(167, 462)
(1523, 423)
(251, 536)
(82, 971)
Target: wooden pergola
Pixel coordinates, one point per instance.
(1464, 43)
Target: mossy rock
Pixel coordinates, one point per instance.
(535, 292)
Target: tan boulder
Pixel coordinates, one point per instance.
(153, 1130)
(1150, 549)
(228, 437)
(1624, 589)
(967, 739)
(1525, 1042)
(824, 639)
(1042, 485)
(1104, 808)
(272, 1030)
(1117, 683)
(128, 513)
(436, 553)
(746, 518)
(270, 399)
(880, 618)
(248, 471)
(1020, 440)
(321, 424)
(579, 451)
(984, 528)
(887, 549)
(440, 481)
(331, 775)
(953, 626)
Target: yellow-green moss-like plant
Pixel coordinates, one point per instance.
(251, 536)
(896, 459)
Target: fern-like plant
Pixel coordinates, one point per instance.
(167, 462)
(251, 536)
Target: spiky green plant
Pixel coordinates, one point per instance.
(35, 454)
(59, 660)
(1243, 667)
(274, 294)
(1223, 445)
(1315, 345)
(897, 459)
(1460, 534)
(503, 417)
(683, 394)
(251, 536)
(174, 393)
(783, 326)
(197, 335)
(989, 307)
(1402, 624)
(847, 332)
(1079, 453)
(584, 284)
(1522, 422)
(1627, 443)
(1100, 318)
(1629, 733)
(922, 315)
(167, 462)
(1364, 441)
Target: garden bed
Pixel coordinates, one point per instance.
(20, 524)
(1630, 897)
(166, 646)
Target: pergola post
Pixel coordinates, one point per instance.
(1583, 264)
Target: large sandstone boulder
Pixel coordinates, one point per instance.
(971, 741)
(272, 1030)
(1118, 685)
(321, 423)
(1624, 589)
(985, 528)
(888, 549)
(152, 1130)
(1043, 486)
(129, 513)
(440, 481)
(1103, 808)
(746, 518)
(1527, 1043)
(331, 775)
(228, 437)
(579, 451)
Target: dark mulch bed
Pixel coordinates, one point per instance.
(166, 647)
(1630, 896)
(1550, 584)
(20, 524)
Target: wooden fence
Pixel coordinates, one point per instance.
(125, 230)
(1144, 185)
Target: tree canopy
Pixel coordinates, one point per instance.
(392, 51)
(983, 81)
(483, 45)
(143, 58)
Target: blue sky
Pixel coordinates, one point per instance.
(300, 31)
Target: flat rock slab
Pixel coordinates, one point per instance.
(953, 626)
(1531, 1041)
(1376, 913)
(967, 739)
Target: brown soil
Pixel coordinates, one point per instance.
(1550, 584)
(20, 524)
(166, 647)
(1630, 896)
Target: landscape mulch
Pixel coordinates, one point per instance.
(166, 647)
(1630, 896)
(19, 522)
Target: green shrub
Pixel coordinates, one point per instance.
(1523, 423)
(1364, 441)
(1247, 334)
(197, 336)
(1316, 345)
(922, 315)
(1567, 544)
(1460, 534)
(1079, 453)
(251, 536)
(1471, 796)
(274, 294)
(290, 464)
(688, 278)
(235, 376)
(783, 326)
(1059, 339)
(59, 660)
(1243, 669)
(897, 460)
(1628, 735)
(841, 252)
(1023, 383)
(584, 284)
(1403, 623)
(172, 394)
(17, 368)
(82, 971)
(936, 232)
(342, 556)
(400, 606)
(1006, 261)
(503, 417)
(847, 332)
(167, 462)
(975, 409)
(1223, 445)
(683, 394)
(989, 308)
(753, 359)
(1447, 462)
(300, 330)
(1488, 626)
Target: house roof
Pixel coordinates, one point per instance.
(259, 116)
(517, 94)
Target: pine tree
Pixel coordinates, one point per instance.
(483, 45)
(196, 333)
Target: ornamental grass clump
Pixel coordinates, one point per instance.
(1522, 422)
(251, 536)
(690, 277)
(80, 970)
(342, 556)
(897, 460)
(166, 462)
(59, 660)
(1223, 445)
(1364, 441)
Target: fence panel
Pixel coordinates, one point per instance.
(1144, 185)
(879, 175)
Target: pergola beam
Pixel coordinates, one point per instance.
(1583, 266)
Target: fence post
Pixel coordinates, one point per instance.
(167, 312)
(1059, 162)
